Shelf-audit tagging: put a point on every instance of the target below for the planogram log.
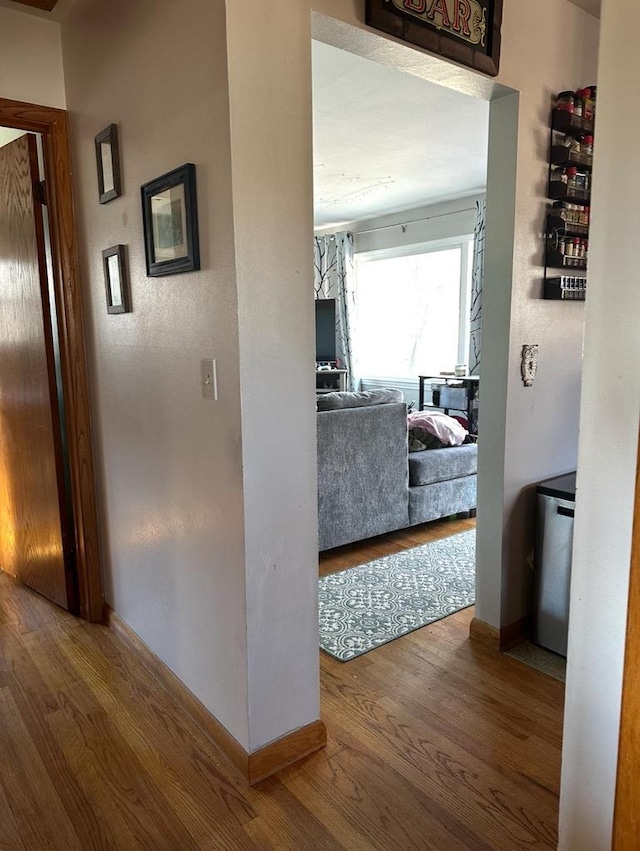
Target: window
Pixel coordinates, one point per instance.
(412, 309)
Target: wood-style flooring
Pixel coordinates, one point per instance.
(435, 744)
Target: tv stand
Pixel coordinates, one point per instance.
(329, 380)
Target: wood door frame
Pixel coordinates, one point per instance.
(626, 823)
(52, 124)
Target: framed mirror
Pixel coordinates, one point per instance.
(108, 164)
(115, 279)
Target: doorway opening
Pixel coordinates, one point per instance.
(55, 280)
(501, 107)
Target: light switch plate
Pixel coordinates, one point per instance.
(209, 379)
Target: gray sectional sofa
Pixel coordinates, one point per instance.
(368, 481)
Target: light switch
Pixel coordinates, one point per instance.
(209, 379)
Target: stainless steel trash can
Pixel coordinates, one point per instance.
(552, 561)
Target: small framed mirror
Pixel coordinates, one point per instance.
(108, 164)
(115, 279)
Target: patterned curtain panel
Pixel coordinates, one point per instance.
(334, 278)
(477, 278)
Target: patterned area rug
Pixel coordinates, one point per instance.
(369, 605)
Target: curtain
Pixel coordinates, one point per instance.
(334, 278)
(477, 279)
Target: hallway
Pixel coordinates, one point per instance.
(433, 744)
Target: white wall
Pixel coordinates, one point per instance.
(420, 224)
(553, 46)
(273, 222)
(30, 59)
(208, 509)
(169, 464)
(445, 220)
(607, 453)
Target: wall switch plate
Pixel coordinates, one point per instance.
(209, 379)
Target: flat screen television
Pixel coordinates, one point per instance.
(325, 329)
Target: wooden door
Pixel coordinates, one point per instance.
(626, 832)
(34, 518)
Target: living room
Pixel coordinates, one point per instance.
(400, 167)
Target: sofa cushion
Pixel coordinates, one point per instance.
(361, 399)
(440, 465)
(442, 499)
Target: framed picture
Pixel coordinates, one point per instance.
(170, 214)
(108, 163)
(467, 31)
(116, 279)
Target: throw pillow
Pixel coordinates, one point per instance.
(446, 430)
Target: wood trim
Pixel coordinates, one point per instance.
(499, 639)
(514, 633)
(285, 751)
(485, 633)
(626, 821)
(52, 124)
(253, 767)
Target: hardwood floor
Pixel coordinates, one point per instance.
(435, 744)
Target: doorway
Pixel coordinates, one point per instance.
(83, 576)
(499, 246)
(399, 194)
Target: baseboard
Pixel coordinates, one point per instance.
(285, 751)
(499, 639)
(514, 633)
(255, 766)
(485, 634)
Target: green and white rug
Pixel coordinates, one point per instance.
(369, 605)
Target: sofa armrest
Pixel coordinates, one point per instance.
(362, 473)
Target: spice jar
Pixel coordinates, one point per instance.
(566, 101)
(587, 145)
(578, 103)
(587, 104)
(572, 143)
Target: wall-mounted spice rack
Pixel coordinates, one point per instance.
(564, 192)
(570, 228)
(558, 260)
(561, 155)
(565, 121)
(566, 288)
(569, 187)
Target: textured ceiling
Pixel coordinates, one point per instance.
(386, 141)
